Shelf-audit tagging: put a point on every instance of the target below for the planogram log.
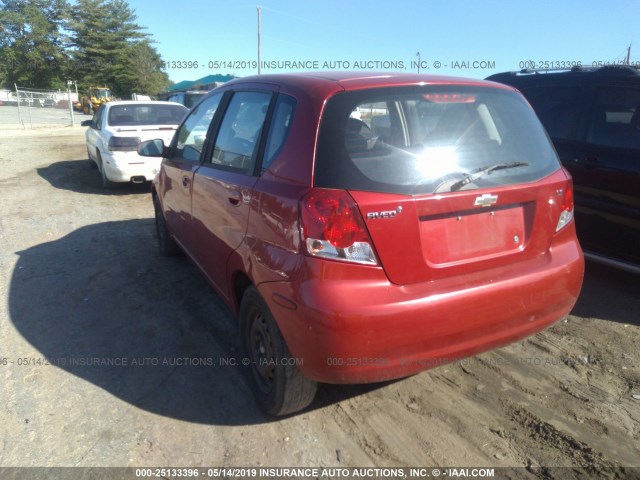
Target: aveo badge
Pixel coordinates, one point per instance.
(384, 214)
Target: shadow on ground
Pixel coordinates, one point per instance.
(609, 294)
(82, 176)
(103, 295)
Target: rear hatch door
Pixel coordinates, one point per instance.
(449, 179)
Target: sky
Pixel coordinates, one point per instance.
(464, 38)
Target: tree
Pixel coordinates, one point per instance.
(31, 43)
(142, 70)
(95, 42)
(102, 35)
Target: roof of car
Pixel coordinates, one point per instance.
(608, 72)
(355, 80)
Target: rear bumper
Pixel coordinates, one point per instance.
(123, 166)
(349, 324)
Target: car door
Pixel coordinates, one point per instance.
(176, 175)
(222, 186)
(606, 171)
(94, 133)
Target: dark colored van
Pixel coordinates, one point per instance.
(593, 117)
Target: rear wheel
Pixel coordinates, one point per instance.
(92, 164)
(106, 183)
(276, 381)
(166, 243)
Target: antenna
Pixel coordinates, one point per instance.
(628, 55)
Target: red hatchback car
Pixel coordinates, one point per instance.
(367, 227)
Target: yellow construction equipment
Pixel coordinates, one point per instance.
(96, 97)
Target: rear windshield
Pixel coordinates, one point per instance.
(132, 115)
(431, 139)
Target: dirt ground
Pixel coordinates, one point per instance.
(81, 281)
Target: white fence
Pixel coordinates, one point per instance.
(29, 107)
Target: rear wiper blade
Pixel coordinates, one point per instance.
(482, 171)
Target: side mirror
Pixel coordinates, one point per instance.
(86, 123)
(152, 148)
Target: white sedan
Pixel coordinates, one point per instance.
(116, 130)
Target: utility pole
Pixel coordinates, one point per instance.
(258, 7)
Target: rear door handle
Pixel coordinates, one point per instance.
(235, 198)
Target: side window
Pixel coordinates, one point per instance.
(192, 134)
(556, 107)
(240, 130)
(279, 130)
(615, 118)
(97, 118)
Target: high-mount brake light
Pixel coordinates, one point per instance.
(449, 97)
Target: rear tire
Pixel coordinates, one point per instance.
(278, 384)
(106, 183)
(92, 164)
(167, 245)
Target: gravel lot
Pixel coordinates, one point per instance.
(83, 283)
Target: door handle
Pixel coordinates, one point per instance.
(235, 198)
(185, 181)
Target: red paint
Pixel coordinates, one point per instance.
(453, 278)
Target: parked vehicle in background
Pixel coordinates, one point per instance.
(95, 97)
(8, 98)
(188, 99)
(593, 117)
(367, 228)
(9, 101)
(116, 130)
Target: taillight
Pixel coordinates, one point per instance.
(333, 228)
(123, 144)
(567, 206)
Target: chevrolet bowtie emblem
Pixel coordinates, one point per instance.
(486, 200)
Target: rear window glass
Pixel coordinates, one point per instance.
(132, 115)
(415, 140)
